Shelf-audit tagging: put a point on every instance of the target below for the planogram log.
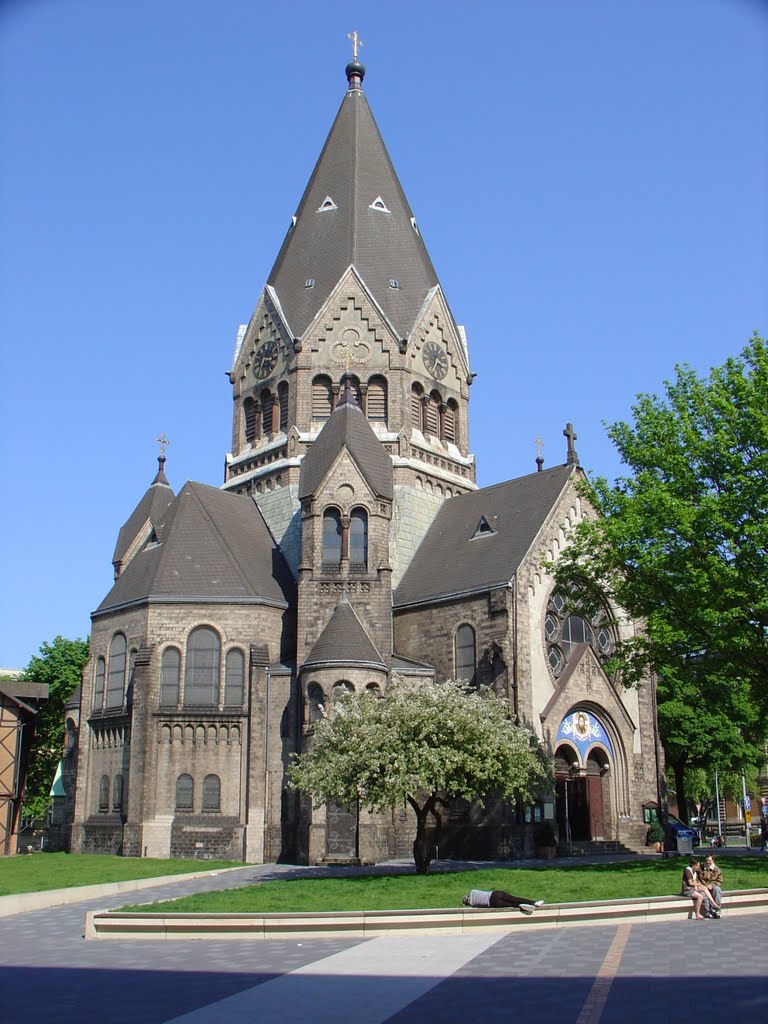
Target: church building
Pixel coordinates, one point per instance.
(348, 543)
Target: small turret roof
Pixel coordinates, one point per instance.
(152, 507)
(344, 641)
(353, 213)
(347, 428)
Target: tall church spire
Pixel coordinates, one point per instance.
(353, 212)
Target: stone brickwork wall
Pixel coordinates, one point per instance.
(203, 837)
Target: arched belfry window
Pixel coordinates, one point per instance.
(116, 671)
(417, 393)
(170, 667)
(267, 413)
(201, 673)
(450, 418)
(249, 415)
(282, 394)
(376, 406)
(465, 657)
(358, 537)
(432, 417)
(315, 703)
(322, 398)
(331, 537)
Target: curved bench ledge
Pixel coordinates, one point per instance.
(364, 924)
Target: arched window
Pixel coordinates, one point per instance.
(570, 622)
(98, 685)
(322, 398)
(342, 689)
(170, 668)
(373, 690)
(465, 653)
(331, 537)
(377, 399)
(249, 415)
(211, 794)
(282, 394)
(432, 425)
(575, 631)
(201, 673)
(132, 655)
(185, 793)
(104, 794)
(449, 421)
(315, 703)
(116, 672)
(358, 537)
(416, 396)
(117, 793)
(234, 678)
(266, 413)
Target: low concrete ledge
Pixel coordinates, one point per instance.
(19, 903)
(366, 924)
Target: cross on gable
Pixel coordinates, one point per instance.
(570, 434)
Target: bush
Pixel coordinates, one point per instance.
(545, 835)
(655, 833)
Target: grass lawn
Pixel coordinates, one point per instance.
(41, 871)
(445, 889)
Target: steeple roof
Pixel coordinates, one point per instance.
(353, 212)
(152, 507)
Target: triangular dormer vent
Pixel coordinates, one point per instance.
(152, 540)
(379, 204)
(483, 529)
(326, 205)
(414, 225)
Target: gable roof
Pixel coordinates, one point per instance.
(344, 641)
(455, 559)
(353, 212)
(152, 506)
(347, 428)
(213, 546)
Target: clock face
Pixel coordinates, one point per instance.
(435, 359)
(265, 360)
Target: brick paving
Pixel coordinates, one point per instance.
(679, 971)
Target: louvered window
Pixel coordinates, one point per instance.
(169, 676)
(433, 418)
(321, 398)
(377, 399)
(266, 412)
(416, 409)
(449, 423)
(282, 393)
(249, 412)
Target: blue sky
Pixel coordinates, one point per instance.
(589, 177)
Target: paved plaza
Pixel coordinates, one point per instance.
(680, 971)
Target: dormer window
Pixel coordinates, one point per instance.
(394, 283)
(379, 204)
(483, 529)
(326, 205)
(414, 225)
(309, 283)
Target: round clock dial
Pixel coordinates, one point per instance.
(265, 360)
(435, 359)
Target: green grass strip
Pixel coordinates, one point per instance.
(401, 891)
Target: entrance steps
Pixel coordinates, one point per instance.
(594, 847)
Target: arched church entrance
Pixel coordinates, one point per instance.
(583, 760)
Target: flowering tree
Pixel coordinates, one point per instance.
(422, 743)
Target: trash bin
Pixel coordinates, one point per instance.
(685, 846)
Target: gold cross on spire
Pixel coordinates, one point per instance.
(539, 444)
(356, 42)
(162, 441)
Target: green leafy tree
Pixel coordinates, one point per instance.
(682, 543)
(421, 744)
(60, 666)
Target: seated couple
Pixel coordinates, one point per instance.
(704, 887)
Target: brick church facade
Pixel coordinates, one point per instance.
(348, 542)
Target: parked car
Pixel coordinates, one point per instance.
(679, 830)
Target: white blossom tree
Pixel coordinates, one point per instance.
(423, 743)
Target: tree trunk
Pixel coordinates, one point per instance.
(424, 844)
(682, 797)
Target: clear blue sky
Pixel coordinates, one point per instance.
(589, 176)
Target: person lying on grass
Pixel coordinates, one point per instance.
(497, 898)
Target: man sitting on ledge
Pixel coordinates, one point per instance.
(497, 898)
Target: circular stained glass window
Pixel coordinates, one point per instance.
(569, 623)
